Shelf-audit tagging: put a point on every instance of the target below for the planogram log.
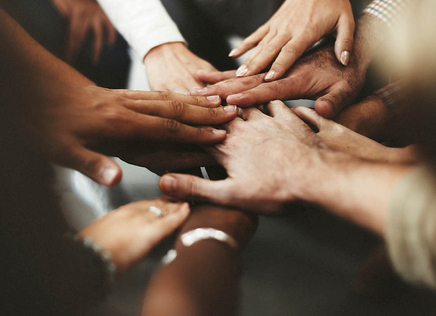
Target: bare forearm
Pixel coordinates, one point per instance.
(357, 190)
(203, 279)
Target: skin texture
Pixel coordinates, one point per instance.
(183, 287)
(339, 138)
(135, 222)
(73, 120)
(317, 76)
(173, 67)
(295, 27)
(79, 126)
(300, 168)
(85, 16)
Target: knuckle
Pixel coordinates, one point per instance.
(163, 95)
(213, 112)
(192, 187)
(171, 125)
(289, 49)
(270, 48)
(178, 108)
(347, 41)
(91, 163)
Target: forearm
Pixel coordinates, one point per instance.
(23, 56)
(203, 279)
(357, 190)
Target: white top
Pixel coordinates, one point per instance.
(144, 24)
(411, 227)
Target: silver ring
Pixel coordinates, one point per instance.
(156, 211)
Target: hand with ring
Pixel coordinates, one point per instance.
(130, 232)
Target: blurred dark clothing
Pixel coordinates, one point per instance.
(44, 23)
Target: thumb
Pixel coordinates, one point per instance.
(330, 104)
(310, 117)
(99, 168)
(344, 40)
(188, 187)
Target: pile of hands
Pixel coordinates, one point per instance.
(254, 138)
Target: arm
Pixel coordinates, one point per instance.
(301, 168)
(316, 76)
(148, 28)
(144, 24)
(295, 27)
(204, 278)
(77, 124)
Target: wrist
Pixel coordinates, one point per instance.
(355, 189)
(239, 225)
(162, 50)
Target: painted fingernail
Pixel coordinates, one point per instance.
(169, 183)
(219, 132)
(198, 91)
(233, 52)
(213, 98)
(270, 75)
(108, 175)
(345, 57)
(241, 71)
(230, 108)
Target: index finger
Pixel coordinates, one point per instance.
(230, 87)
(204, 101)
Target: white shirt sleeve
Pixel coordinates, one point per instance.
(144, 24)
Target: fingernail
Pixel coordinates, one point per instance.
(169, 183)
(234, 96)
(233, 52)
(198, 91)
(345, 57)
(241, 71)
(230, 108)
(213, 98)
(270, 75)
(185, 207)
(219, 132)
(108, 175)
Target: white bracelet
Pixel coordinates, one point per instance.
(196, 235)
(193, 236)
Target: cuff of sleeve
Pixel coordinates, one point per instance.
(411, 228)
(142, 49)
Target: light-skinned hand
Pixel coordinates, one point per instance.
(295, 27)
(130, 232)
(317, 76)
(173, 67)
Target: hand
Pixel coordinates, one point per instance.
(269, 161)
(84, 16)
(272, 161)
(74, 121)
(173, 67)
(207, 267)
(339, 138)
(295, 27)
(132, 231)
(315, 76)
